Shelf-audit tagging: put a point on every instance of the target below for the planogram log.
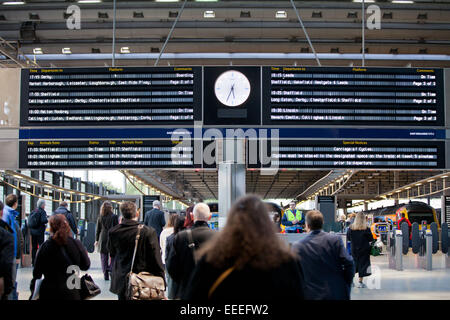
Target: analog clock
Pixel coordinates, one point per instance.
(232, 88)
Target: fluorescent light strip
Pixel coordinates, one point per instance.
(402, 1)
(13, 3)
(89, 1)
(281, 15)
(209, 14)
(166, 0)
(366, 1)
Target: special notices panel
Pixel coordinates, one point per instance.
(353, 96)
(363, 154)
(166, 96)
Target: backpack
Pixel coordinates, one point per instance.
(33, 220)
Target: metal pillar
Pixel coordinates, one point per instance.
(429, 250)
(398, 250)
(231, 176)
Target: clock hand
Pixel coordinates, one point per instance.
(232, 90)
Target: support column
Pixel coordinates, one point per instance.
(231, 176)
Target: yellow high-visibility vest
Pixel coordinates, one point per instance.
(291, 216)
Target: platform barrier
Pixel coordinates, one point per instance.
(445, 245)
(395, 249)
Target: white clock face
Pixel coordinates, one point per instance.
(232, 88)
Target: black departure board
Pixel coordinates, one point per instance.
(354, 154)
(353, 96)
(106, 154)
(111, 96)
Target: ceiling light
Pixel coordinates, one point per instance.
(66, 51)
(33, 16)
(89, 1)
(12, 3)
(209, 14)
(125, 50)
(365, 1)
(37, 51)
(281, 14)
(402, 1)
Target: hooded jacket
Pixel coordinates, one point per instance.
(9, 216)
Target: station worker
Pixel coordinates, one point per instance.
(293, 219)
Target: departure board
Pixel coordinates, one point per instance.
(111, 96)
(106, 154)
(353, 96)
(356, 154)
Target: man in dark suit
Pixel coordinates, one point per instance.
(155, 218)
(181, 261)
(121, 245)
(327, 267)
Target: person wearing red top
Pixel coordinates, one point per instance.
(404, 219)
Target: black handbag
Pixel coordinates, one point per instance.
(88, 288)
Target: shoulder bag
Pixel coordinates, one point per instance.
(219, 280)
(88, 288)
(143, 285)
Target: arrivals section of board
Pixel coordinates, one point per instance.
(104, 154)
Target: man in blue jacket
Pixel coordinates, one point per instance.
(6, 257)
(62, 209)
(326, 264)
(9, 216)
(155, 218)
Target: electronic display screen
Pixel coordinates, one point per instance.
(353, 96)
(111, 96)
(107, 154)
(351, 154)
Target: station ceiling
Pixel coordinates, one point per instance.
(420, 28)
(197, 185)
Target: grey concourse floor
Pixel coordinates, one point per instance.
(384, 284)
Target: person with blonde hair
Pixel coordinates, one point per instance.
(360, 237)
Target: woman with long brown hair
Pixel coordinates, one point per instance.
(246, 260)
(54, 257)
(106, 220)
(360, 238)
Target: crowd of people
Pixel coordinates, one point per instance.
(245, 260)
